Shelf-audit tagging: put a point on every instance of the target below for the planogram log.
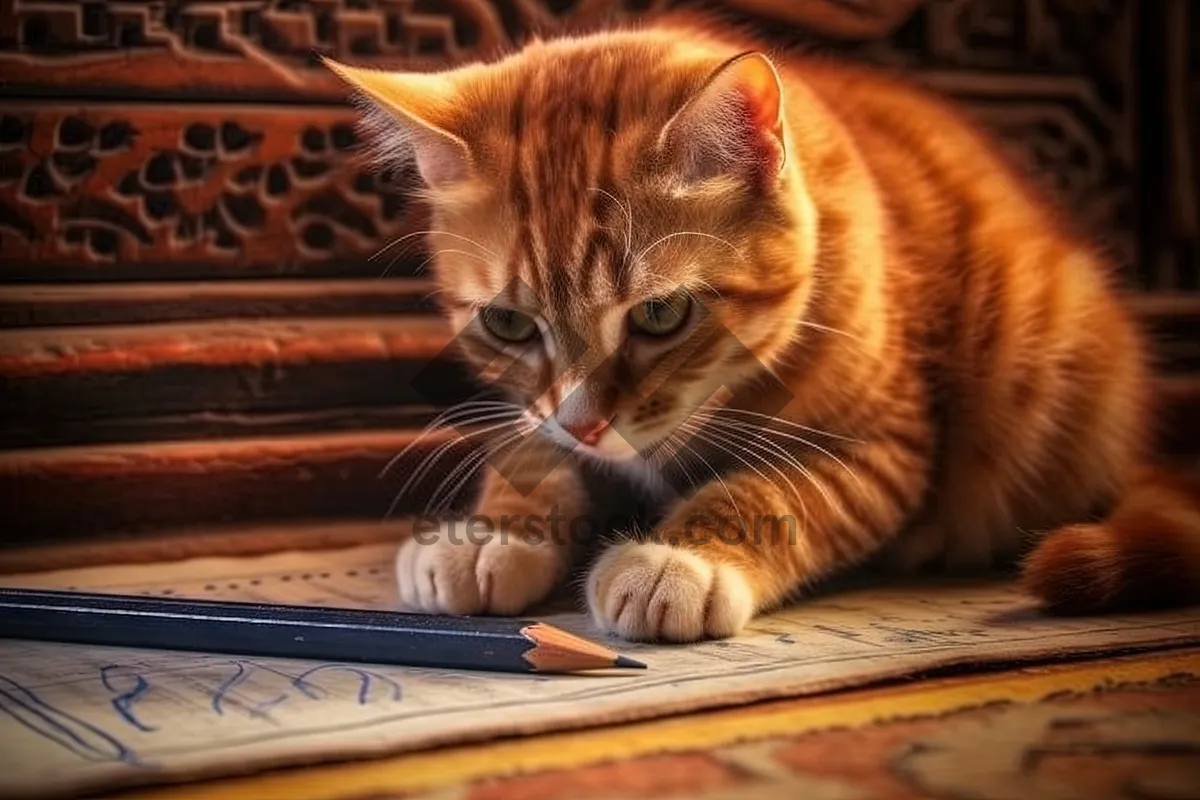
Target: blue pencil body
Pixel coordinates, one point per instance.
(328, 634)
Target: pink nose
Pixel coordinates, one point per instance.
(587, 431)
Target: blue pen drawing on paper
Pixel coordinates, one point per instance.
(242, 671)
(77, 735)
(304, 683)
(113, 676)
(367, 679)
(135, 693)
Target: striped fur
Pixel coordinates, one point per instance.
(959, 365)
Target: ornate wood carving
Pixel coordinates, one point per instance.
(1057, 79)
(188, 189)
(848, 20)
(267, 46)
(1170, 116)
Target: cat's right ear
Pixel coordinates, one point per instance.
(732, 126)
(414, 114)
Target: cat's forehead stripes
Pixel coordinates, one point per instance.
(522, 256)
(566, 152)
(578, 197)
(561, 153)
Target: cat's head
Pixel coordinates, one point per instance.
(618, 228)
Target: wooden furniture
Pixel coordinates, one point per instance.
(195, 340)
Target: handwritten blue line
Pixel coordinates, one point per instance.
(365, 677)
(239, 677)
(218, 698)
(123, 704)
(60, 727)
(308, 689)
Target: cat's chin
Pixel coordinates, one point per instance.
(635, 470)
(613, 453)
(610, 450)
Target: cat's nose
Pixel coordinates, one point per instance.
(588, 430)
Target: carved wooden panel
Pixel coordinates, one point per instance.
(260, 47)
(109, 191)
(1057, 79)
(1170, 117)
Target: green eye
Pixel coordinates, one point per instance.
(508, 325)
(662, 315)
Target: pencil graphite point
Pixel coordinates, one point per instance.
(556, 650)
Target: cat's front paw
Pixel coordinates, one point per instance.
(654, 592)
(448, 574)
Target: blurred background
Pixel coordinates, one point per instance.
(198, 352)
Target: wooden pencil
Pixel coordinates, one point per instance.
(308, 632)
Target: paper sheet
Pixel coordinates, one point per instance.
(78, 718)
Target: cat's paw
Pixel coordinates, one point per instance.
(654, 592)
(494, 575)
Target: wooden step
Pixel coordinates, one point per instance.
(129, 303)
(92, 492)
(1171, 324)
(1176, 419)
(209, 425)
(179, 544)
(56, 382)
(73, 493)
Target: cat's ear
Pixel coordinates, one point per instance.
(732, 126)
(412, 114)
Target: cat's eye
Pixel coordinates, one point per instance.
(509, 325)
(661, 316)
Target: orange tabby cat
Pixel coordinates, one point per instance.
(667, 207)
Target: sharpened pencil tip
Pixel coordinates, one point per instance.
(628, 663)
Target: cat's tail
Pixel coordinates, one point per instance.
(1145, 555)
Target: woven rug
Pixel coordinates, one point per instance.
(87, 719)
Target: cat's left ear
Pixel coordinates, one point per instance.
(415, 114)
(733, 125)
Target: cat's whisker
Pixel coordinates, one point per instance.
(431, 460)
(698, 434)
(457, 410)
(427, 297)
(773, 419)
(664, 450)
(827, 329)
(763, 430)
(628, 211)
(674, 456)
(421, 266)
(793, 462)
(681, 458)
(403, 492)
(468, 467)
(707, 436)
(392, 244)
(428, 463)
(703, 284)
(664, 239)
(713, 438)
(408, 236)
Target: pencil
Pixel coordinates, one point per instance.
(307, 632)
